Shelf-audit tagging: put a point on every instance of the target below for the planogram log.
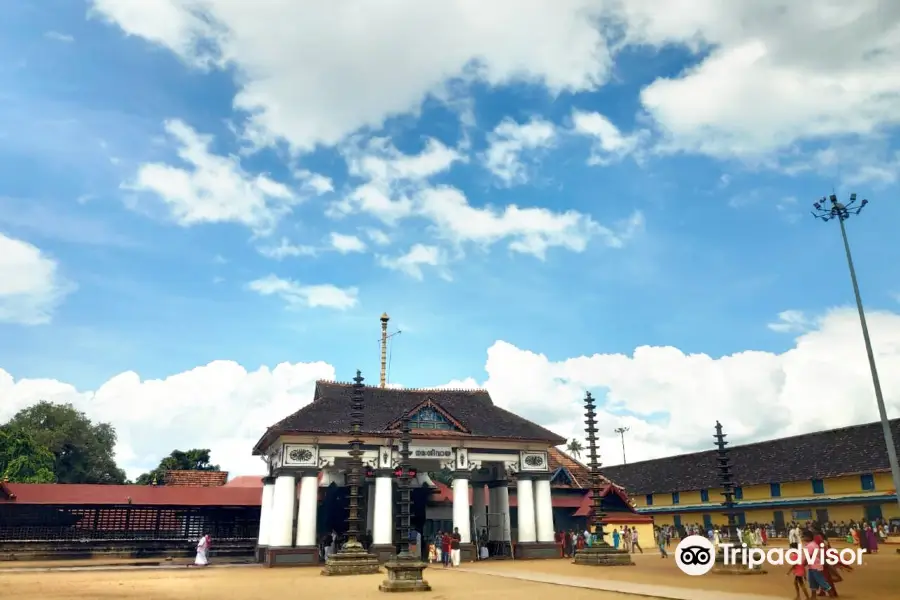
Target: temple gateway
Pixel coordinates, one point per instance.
(480, 449)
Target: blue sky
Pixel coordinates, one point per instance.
(714, 236)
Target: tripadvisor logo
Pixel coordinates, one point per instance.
(696, 555)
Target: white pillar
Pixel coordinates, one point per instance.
(383, 531)
(461, 509)
(265, 510)
(307, 509)
(543, 510)
(504, 529)
(281, 527)
(525, 499)
(370, 508)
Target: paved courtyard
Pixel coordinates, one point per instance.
(534, 580)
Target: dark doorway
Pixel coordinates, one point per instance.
(333, 511)
(822, 515)
(873, 512)
(778, 520)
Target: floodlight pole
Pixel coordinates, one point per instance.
(621, 431)
(842, 212)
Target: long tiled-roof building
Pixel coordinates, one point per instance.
(835, 475)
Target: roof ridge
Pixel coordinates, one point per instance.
(404, 389)
(760, 442)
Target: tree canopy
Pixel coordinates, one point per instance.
(179, 460)
(22, 459)
(574, 448)
(81, 451)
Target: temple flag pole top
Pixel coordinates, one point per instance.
(726, 478)
(405, 571)
(828, 209)
(353, 559)
(599, 553)
(384, 339)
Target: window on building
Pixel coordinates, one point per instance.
(867, 482)
(802, 515)
(775, 490)
(738, 493)
(649, 499)
(818, 486)
(428, 418)
(707, 522)
(704, 495)
(676, 498)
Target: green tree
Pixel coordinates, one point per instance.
(574, 448)
(22, 460)
(179, 460)
(83, 451)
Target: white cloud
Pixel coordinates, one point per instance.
(791, 321)
(530, 230)
(822, 382)
(154, 417)
(30, 284)
(317, 182)
(345, 244)
(768, 80)
(59, 37)
(412, 262)
(215, 189)
(311, 75)
(378, 237)
(310, 296)
(671, 400)
(509, 141)
(286, 249)
(610, 144)
(764, 81)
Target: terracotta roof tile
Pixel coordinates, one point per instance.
(820, 455)
(139, 495)
(195, 478)
(329, 412)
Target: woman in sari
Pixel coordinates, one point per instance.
(615, 537)
(871, 540)
(202, 558)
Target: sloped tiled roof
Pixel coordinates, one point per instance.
(195, 478)
(845, 451)
(329, 412)
(138, 495)
(579, 476)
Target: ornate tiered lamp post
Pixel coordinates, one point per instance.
(353, 558)
(726, 478)
(599, 553)
(405, 572)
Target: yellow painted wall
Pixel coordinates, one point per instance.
(834, 487)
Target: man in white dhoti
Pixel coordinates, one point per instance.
(202, 558)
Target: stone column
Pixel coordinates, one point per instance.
(307, 510)
(370, 507)
(281, 526)
(525, 499)
(461, 507)
(265, 516)
(479, 511)
(543, 510)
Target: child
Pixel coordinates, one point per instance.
(815, 569)
(799, 571)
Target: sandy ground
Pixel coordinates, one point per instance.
(254, 583)
(879, 577)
